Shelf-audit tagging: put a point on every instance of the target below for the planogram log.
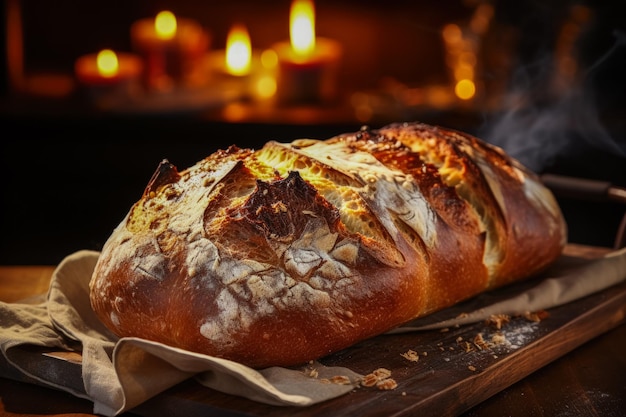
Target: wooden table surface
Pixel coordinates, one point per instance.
(588, 381)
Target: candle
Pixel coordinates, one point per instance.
(242, 69)
(172, 49)
(307, 65)
(238, 57)
(108, 75)
(461, 60)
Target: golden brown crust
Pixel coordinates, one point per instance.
(288, 253)
(521, 215)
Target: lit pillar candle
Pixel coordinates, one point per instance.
(307, 64)
(172, 49)
(108, 76)
(461, 60)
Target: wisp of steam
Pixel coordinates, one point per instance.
(536, 132)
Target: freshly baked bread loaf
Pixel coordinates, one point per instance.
(282, 255)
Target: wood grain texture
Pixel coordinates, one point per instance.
(589, 381)
(18, 283)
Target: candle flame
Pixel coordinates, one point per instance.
(465, 89)
(107, 63)
(238, 51)
(461, 58)
(302, 27)
(165, 25)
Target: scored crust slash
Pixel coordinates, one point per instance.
(284, 254)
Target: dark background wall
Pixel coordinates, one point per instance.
(69, 174)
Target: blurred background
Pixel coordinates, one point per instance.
(543, 80)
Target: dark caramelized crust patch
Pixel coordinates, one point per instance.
(282, 208)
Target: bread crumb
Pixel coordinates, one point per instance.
(369, 380)
(471, 368)
(387, 384)
(410, 355)
(381, 378)
(498, 339)
(340, 380)
(310, 370)
(498, 320)
(382, 373)
(445, 329)
(467, 347)
(536, 316)
(313, 373)
(479, 342)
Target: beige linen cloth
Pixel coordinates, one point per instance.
(119, 374)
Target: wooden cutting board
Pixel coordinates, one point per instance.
(455, 370)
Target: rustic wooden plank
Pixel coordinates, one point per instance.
(440, 382)
(589, 381)
(19, 283)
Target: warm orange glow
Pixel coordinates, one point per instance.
(234, 112)
(269, 59)
(467, 58)
(481, 19)
(302, 27)
(465, 89)
(452, 33)
(238, 51)
(108, 65)
(461, 59)
(165, 25)
(464, 72)
(266, 87)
